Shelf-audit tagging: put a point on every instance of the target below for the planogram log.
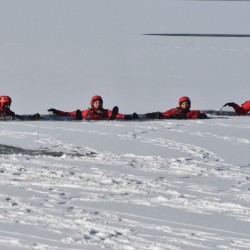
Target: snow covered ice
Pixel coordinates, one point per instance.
(166, 184)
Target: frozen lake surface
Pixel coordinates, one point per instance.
(165, 184)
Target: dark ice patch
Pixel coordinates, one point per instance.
(9, 150)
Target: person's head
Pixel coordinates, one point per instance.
(96, 102)
(184, 103)
(5, 102)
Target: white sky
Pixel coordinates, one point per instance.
(59, 53)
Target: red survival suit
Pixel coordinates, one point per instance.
(91, 113)
(5, 102)
(178, 113)
(240, 110)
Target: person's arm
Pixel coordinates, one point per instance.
(238, 110)
(28, 117)
(154, 115)
(121, 116)
(133, 116)
(114, 114)
(172, 113)
(62, 113)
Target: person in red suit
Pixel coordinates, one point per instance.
(239, 110)
(181, 112)
(95, 112)
(5, 102)
(5, 111)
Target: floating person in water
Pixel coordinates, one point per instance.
(5, 111)
(181, 112)
(95, 112)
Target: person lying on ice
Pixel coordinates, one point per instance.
(239, 110)
(181, 112)
(96, 112)
(5, 111)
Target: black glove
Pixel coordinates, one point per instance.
(78, 114)
(54, 111)
(230, 104)
(114, 113)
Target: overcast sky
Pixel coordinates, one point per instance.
(58, 53)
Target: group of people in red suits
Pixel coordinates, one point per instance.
(98, 112)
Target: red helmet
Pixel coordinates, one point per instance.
(184, 99)
(5, 100)
(96, 98)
